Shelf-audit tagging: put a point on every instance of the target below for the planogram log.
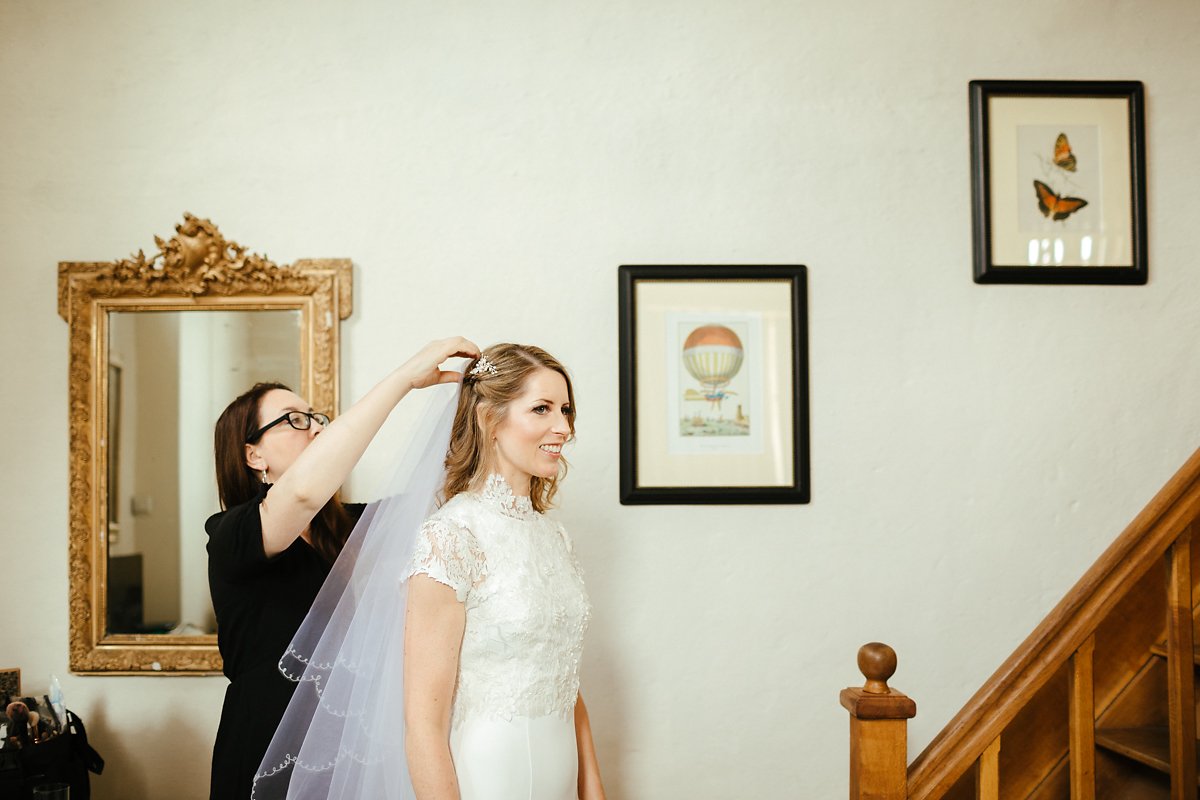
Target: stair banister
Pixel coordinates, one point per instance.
(878, 728)
(1064, 630)
(1065, 641)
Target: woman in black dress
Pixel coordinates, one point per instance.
(283, 526)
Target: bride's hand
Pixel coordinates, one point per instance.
(423, 368)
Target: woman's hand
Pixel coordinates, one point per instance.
(423, 369)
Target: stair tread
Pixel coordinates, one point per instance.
(1160, 649)
(1149, 746)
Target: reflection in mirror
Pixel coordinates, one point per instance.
(171, 373)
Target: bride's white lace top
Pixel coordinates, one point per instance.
(527, 610)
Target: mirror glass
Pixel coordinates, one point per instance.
(170, 375)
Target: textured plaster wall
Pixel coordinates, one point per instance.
(487, 167)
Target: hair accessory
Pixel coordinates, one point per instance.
(483, 367)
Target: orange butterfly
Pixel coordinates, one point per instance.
(1063, 157)
(1054, 205)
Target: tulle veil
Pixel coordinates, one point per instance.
(342, 735)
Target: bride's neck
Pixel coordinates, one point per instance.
(520, 485)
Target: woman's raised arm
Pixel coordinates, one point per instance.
(322, 468)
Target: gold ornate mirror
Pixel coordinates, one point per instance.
(158, 347)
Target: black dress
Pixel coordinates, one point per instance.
(259, 602)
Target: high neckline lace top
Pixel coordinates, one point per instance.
(515, 572)
(497, 493)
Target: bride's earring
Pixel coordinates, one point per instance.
(264, 476)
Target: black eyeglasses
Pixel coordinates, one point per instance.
(300, 420)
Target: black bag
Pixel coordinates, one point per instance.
(67, 758)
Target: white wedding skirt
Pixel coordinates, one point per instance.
(521, 759)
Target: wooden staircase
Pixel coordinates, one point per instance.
(1098, 702)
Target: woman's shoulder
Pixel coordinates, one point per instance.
(235, 544)
(236, 516)
(459, 509)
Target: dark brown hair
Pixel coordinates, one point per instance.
(237, 483)
(488, 396)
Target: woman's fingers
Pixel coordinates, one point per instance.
(454, 347)
(424, 365)
(464, 348)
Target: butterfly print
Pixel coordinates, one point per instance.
(1063, 157)
(1054, 205)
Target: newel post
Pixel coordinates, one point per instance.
(878, 728)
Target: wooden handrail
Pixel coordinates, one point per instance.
(980, 722)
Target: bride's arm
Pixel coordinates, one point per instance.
(433, 631)
(590, 787)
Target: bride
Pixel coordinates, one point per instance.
(443, 655)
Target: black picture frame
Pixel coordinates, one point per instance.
(769, 305)
(1086, 221)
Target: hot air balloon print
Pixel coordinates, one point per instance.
(713, 354)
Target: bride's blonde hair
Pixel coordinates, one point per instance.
(483, 405)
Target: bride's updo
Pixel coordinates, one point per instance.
(490, 383)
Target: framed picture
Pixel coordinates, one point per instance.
(714, 384)
(10, 683)
(1058, 181)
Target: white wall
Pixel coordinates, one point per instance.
(487, 167)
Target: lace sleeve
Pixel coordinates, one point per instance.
(448, 553)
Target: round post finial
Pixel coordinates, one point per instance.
(877, 663)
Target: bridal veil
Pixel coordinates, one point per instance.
(342, 735)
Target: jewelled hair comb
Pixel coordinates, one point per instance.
(483, 367)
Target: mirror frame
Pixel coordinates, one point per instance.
(196, 270)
